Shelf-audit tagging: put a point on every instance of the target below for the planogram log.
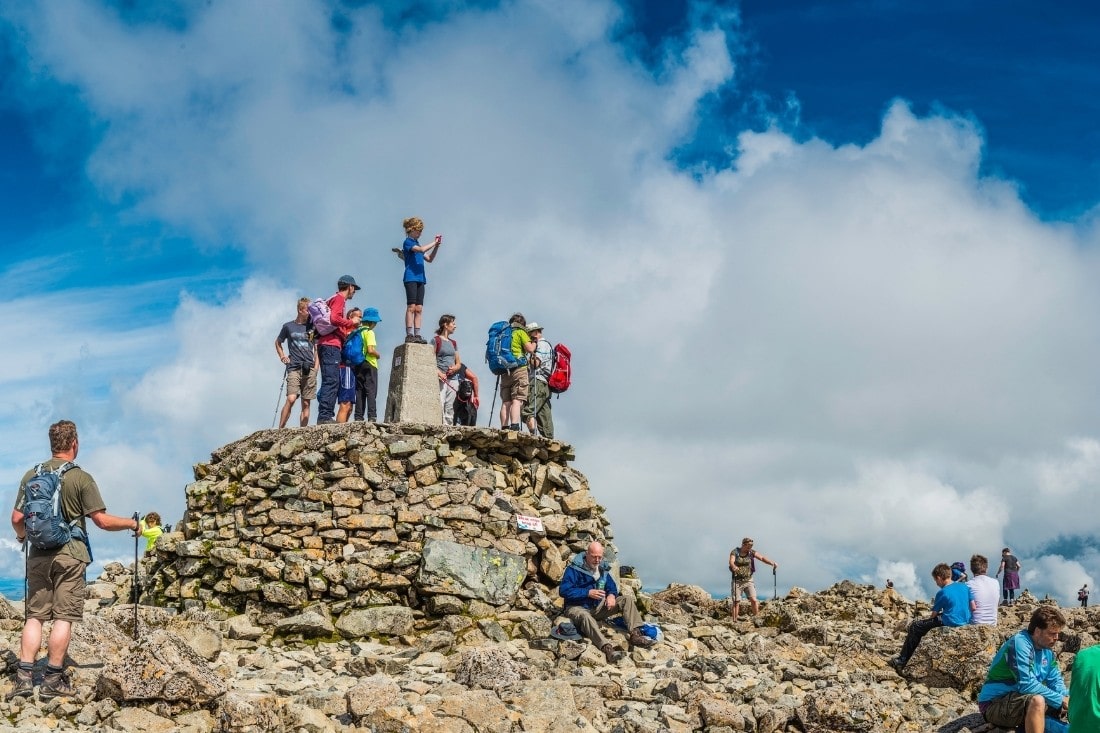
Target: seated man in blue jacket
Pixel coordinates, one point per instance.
(1024, 686)
(591, 596)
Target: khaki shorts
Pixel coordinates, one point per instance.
(737, 587)
(55, 585)
(513, 385)
(1007, 711)
(294, 383)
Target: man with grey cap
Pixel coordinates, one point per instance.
(536, 410)
(328, 348)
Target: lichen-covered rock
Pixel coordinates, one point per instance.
(489, 667)
(956, 657)
(163, 667)
(470, 572)
(391, 620)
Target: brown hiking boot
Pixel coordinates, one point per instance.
(55, 685)
(640, 640)
(611, 654)
(24, 684)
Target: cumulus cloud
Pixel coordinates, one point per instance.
(870, 358)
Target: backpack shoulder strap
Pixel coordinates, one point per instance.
(437, 344)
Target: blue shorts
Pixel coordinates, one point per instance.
(345, 392)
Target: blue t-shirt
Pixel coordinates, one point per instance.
(414, 262)
(953, 601)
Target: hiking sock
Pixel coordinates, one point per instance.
(26, 666)
(416, 332)
(50, 669)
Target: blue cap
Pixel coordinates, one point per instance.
(348, 280)
(371, 314)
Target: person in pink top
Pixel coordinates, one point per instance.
(328, 349)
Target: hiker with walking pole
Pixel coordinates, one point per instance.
(302, 366)
(506, 353)
(742, 566)
(536, 410)
(58, 555)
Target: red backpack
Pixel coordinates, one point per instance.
(561, 373)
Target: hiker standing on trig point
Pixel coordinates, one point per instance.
(415, 255)
(58, 554)
(742, 566)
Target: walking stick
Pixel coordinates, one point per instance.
(26, 582)
(279, 399)
(775, 586)
(493, 404)
(135, 580)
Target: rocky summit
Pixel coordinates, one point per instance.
(403, 578)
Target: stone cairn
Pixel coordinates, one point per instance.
(337, 529)
(385, 578)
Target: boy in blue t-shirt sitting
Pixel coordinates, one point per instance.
(951, 608)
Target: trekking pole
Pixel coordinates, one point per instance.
(135, 581)
(775, 586)
(493, 404)
(26, 575)
(279, 399)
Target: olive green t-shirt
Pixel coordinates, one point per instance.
(79, 498)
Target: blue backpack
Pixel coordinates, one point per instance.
(354, 348)
(46, 526)
(498, 350)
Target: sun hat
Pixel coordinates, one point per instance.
(348, 280)
(371, 314)
(533, 326)
(565, 631)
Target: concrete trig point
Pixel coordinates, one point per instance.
(413, 394)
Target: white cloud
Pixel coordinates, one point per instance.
(868, 357)
(1057, 577)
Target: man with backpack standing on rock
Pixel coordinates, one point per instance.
(330, 323)
(514, 384)
(742, 566)
(301, 363)
(536, 410)
(58, 554)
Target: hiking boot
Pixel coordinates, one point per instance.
(640, 640)
(410, 339)
(420, 340)
(24, 684)
(611, 654)
(55, 684)
(898, 664)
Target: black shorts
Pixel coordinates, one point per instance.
(414, 293)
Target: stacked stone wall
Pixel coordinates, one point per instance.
(359, 515)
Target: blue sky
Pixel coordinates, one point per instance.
(843, 253)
